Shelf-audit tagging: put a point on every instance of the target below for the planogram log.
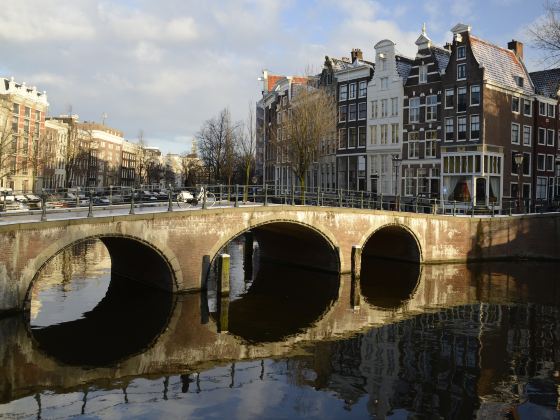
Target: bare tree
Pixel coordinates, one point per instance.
(247, 147)
(8, 143)
(546, 32)
(142, 159)
(190, 169)
(310, 119)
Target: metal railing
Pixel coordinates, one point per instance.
(122, 200)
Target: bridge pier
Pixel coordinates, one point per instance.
(222, 292)
(356, 262)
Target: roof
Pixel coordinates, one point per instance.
(272, 79)
(404, 65)
(441, 56)
(547, 82)
(501, 65)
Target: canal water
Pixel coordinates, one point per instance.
(402, 342)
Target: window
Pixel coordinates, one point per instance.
(413, 145)
(383, 62)
(461, 128)
(383, 134)
(542, 136)
(449, 95)
(361, 137)
(541, 188)
(342, 138)
(352, 139)
(15, 109)
(343, 93)
(394, 107)
(384, 107)
(431, 107)
(373, 134)
(431, 144)
(394, 133)
(550, 138)
(362, 91)
(15, 123)
(449, 129)
(352, 112)
(423, 74)
(551, 111)
(527, 135)
(518, 81)
(526, 164)
(414, 110)
(27, 112)
(514, 104)
(475, 127)
(37, 115)
(462, 99)
(384, 83)
(461, 72)
(542, 109)
(362, 110)
(461, 52)
(514, 133)
(549, 162)
(352, 91)
(527, 107)
(475, 95)
(373, 109)
(541, 162)
(342, 113)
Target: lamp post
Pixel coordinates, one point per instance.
(110, 194)
(396, 163)
(519, 162)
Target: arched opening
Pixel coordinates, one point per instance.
(390, 269)
(100, 300)
(283, 278)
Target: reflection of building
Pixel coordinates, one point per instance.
(22, 129)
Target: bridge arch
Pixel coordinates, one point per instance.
(280, 230)
(131, 257)
(393, 241)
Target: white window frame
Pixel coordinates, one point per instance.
(340, 92)
(471, 126)
(518, 133)
(541, 130)
(530, 102)
(549, 159)
(462, 117)
(355, 112)
(457, 104)
(513, 99)
(548, 136)
(445, 125)
(422, 74)
(464, 66)
(364, 104)
(340, 113)
(416, 100)
(529, 136)
(462, 48)
(350, 95)
(471, 95)
(433, 107)
(551, 107)
(452, 95)
(362, 89)
(539, 156)
(541, 104)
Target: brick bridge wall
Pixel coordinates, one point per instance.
(188, 240)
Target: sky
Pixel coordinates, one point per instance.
(165, 67)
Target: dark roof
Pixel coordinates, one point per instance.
(546, 82)
(404, 65)
(442, 57)
(501, 65)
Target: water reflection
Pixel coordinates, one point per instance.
(459, 342)
(82, 315)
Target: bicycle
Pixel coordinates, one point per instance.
(186, 197)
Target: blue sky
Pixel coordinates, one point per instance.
(167, 66)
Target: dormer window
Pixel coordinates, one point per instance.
(423, 74)
(461, 52)
(519, 81)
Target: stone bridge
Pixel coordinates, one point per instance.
(174, 250)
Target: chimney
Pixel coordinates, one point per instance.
(356, 54)
(448, 46)
(516, 47)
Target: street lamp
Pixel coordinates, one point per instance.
(519, 162)
(110, 194)
(396, 163)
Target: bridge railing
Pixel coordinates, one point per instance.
(124, 199)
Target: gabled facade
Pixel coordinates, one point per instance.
(422, 117)
(384, 112)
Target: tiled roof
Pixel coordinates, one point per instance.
(404, 65)
(442, 57)
(501, 65)
(272, 79)
(547, 82)
(339, 65)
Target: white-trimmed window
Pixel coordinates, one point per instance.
(362, 110)
(527, 107)
(461, 128)
(541, 158)
(373, 134)
(461, 99)
(461, 71)
(527, 135)
(373, 109)
(542, 109)
(352, 112)
(384, 108)
(414, 110)
(475, 127)
(384, 83)
(342, 138)
(542, 136)
(352, 91)
(343, 93)
(383, 134)
(449, 129)
(395, 133)
(342, 113)
(431, 143)
(352, 137)
(550, 162)
(413, 145)
(361, 136)
(475, 95)
(431, 107)
(362, 90)
(550, 138)
(449, 98)
(514, 133)
(461, 52)
(394, 107)
(423, 74)
(551, 111)
(515, 104)
(541, 188)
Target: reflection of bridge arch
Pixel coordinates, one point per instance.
(301, 237)
(393, 241)
(131, 257)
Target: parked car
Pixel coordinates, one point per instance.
(34, 202)
(101, 201)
